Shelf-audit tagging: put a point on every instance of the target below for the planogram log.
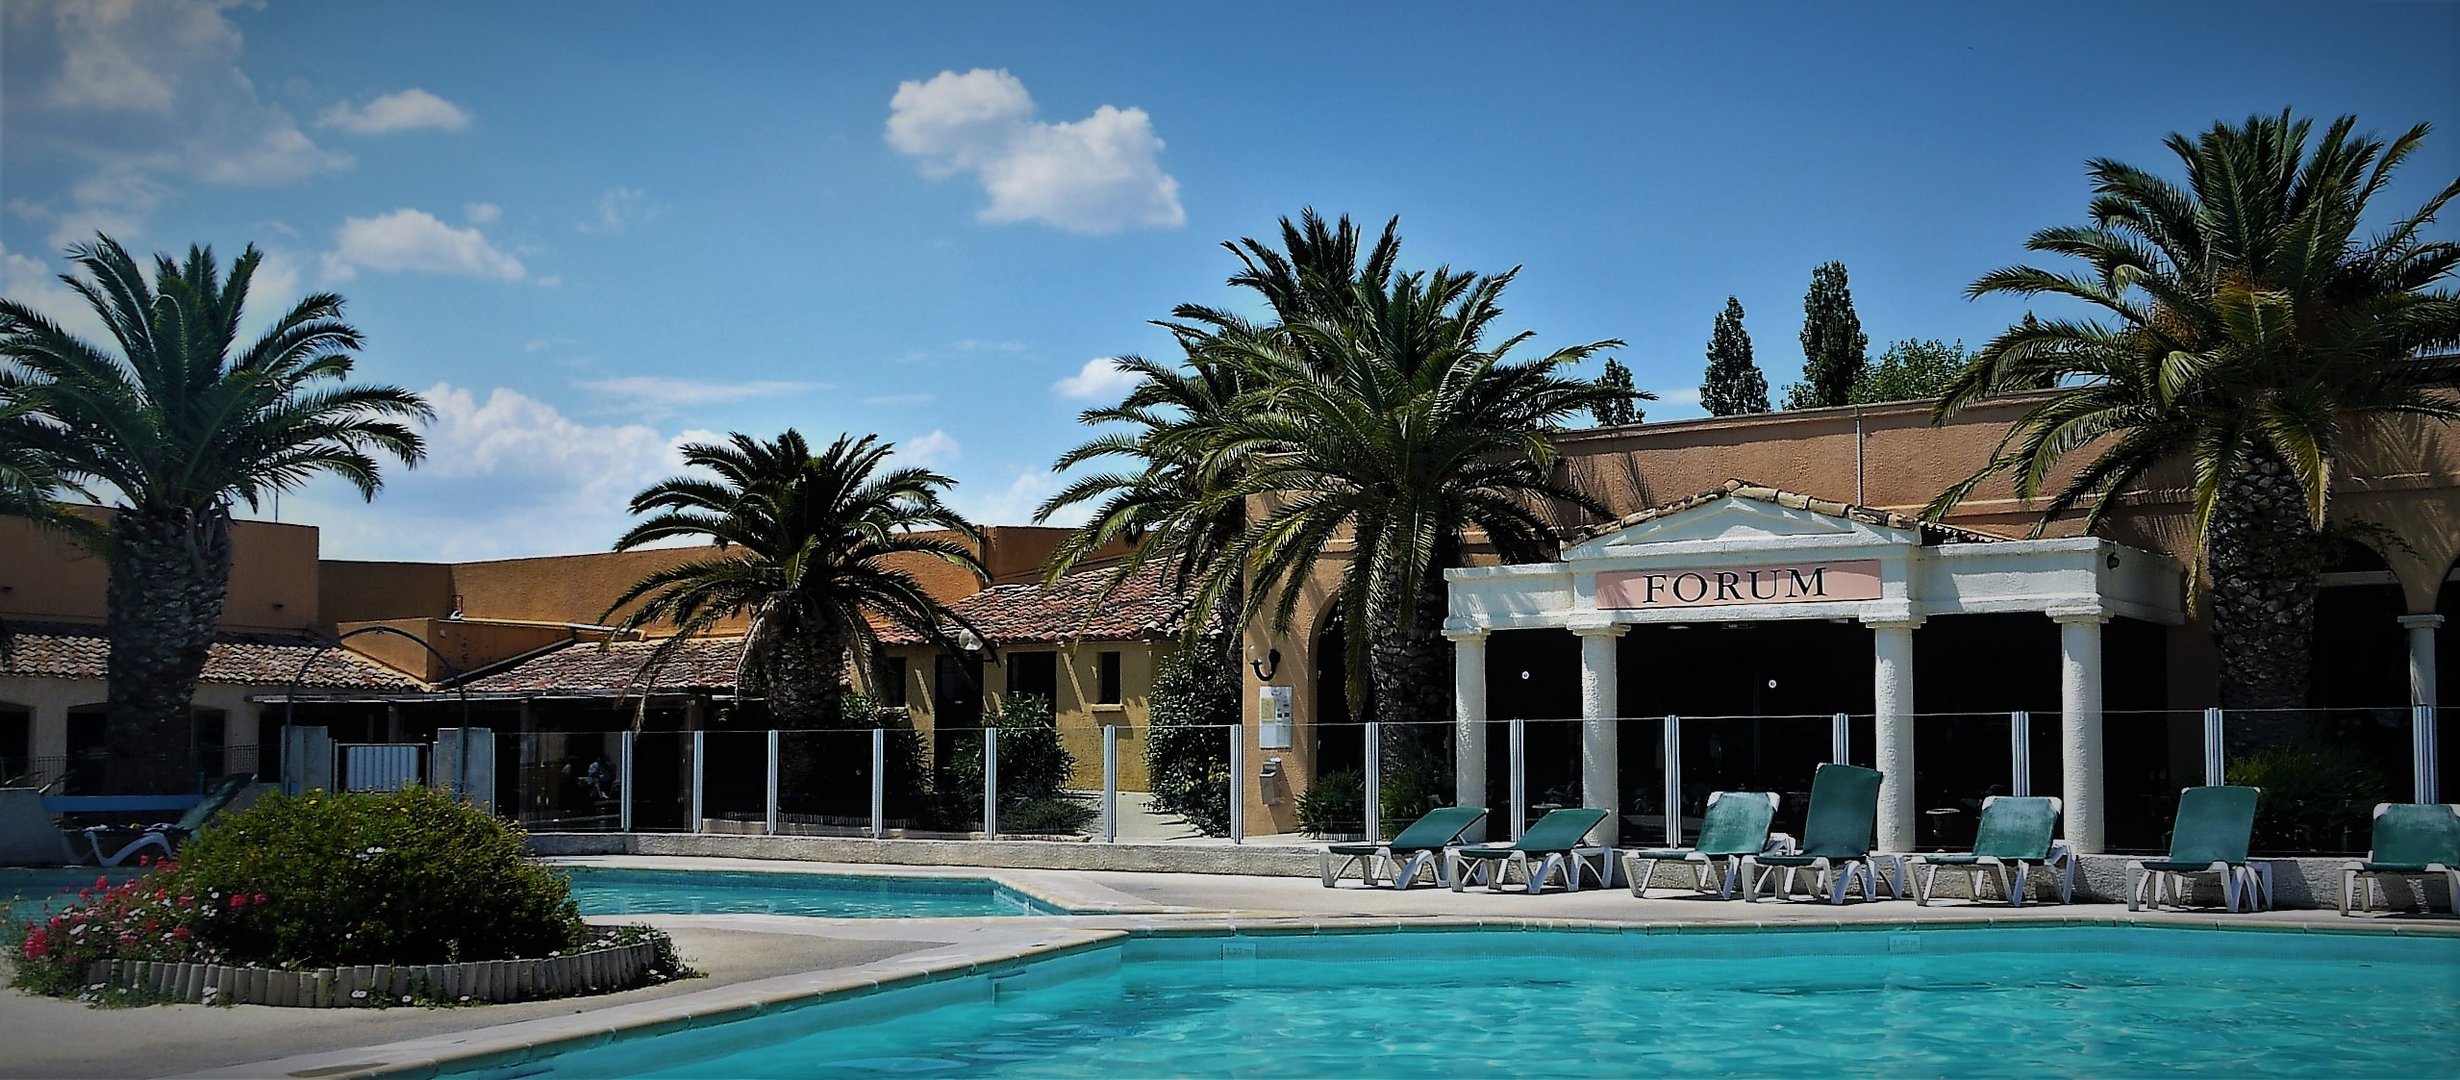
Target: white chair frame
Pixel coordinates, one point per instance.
(1570, 866)
(1405, 872)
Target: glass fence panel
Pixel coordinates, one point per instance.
(1959, 759)
(662, 781)
(1642, 772)
(2146, 757)
(1418, 772)
(1553, 776)
(2322, 771)
(824, 782)
(1753, 753)
(2049, 756)
(734, 773)
(2447, 750)
(1050, 778)
(1186, 783)
(1332, 803)
(562, 781)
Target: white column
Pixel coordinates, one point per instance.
(2080, 780)
(2421, 630)
(1469, 719)
(1600, 749)
(1892, 709)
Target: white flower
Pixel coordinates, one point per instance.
(358, 993)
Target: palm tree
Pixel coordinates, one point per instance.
(182, 424)
(806, 546)
(2248, 331)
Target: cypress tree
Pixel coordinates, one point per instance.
(1835, 351)
(1732, 384)
(1622, 410)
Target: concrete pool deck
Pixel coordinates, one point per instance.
(755, 961)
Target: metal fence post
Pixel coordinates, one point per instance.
(1238, 777)
(700, 743)
(1373, 822)
(2216, 762)
(2020, 753)
(1110, 783)
(879, 783)
(769, 820)
(1520, 775)
(1841, 739)
(2425, 765)
(990, 783)
(624, 784)
(1674, 781)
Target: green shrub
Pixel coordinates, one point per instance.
(1410, 791)
(407, 877)
(1048, 814)
(1335, 804)
(1033, 766)
(2316, 798)
(907, 793)
(1187, 756)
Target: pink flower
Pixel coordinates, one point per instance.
(239, 900)
(262, 898)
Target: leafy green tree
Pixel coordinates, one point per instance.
(1733, 384)
(1187, 757)
(1835, 351)
(1625, 408)
(181, 424)
(807, 546)
(1912, 370)
(2249, 327)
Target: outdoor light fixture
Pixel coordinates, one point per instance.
(1267, 667)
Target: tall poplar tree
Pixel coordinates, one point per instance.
(1733, 384)
(1835, 351)
(1624, 409)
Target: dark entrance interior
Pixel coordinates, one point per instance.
(1339, 742)
(1035, 673)
(956, 693)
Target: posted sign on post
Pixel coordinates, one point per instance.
(1273, 718)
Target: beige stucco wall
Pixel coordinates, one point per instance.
(274, 584)
(51, 699)
(1079, 719)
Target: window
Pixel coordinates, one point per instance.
(892, 682)
(1035, 673)
(1108, 691)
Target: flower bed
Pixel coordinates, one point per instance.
(388, 896)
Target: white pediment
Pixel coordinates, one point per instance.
(1740, 522)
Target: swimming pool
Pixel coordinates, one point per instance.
(2075, 1000)
(605, 890)
(32, 888)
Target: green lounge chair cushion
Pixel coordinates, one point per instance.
(1974, 860)
(2180, 866)
(1487, 852)
(2417, 833)
(2016, 828)
(1555, 834)
(1736, 824)
(2214, 825)
(2393, 868)
(1355, 849)
(1662, 853)
(1439, 829)
(1844, 815)
(1803, 860)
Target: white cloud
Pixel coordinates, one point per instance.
(937, 448)
(900, 399)
(1013, 504)
(1100, 174)
(482, 213)
(621, 208)
(506, 475)
(144, 89)
(407, 110)
(660, 395)
(1100, 378)
(34, 283)
(1688, 395)
(413, 240)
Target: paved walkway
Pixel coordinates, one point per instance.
(756, 959)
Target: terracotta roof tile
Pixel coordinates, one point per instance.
(78, 651)
(584, 667)
(1144, 606)
(1791, 500)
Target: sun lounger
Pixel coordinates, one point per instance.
(1735, 825)
(2014, 836)
(2412, 841)
(126, 843)
(1418, 850)
(2214, 827)
(1836, 839)
(1556, 844)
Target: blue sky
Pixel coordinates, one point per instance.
(592, 230)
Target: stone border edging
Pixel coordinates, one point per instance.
(479, 981)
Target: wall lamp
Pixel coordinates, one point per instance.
(1266, 668)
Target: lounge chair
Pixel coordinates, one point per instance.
(2214, 826)
(2015, 834)
(1836, 840)
(1418, 849)
(2412, 841)
(1556, 844)
(167, 838)
(1735, 825)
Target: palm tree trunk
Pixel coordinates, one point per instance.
(1409, 671)
(805, 686)
(170, 570)
(2266, 558)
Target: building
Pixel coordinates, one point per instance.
(1759, 574)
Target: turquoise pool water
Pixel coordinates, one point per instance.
(28, 889)
(615, 891)
(2059, 1001)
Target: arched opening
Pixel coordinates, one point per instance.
(1339, 743)
(2360, 652)
(81, 772)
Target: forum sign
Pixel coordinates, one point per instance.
(1798, 583)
